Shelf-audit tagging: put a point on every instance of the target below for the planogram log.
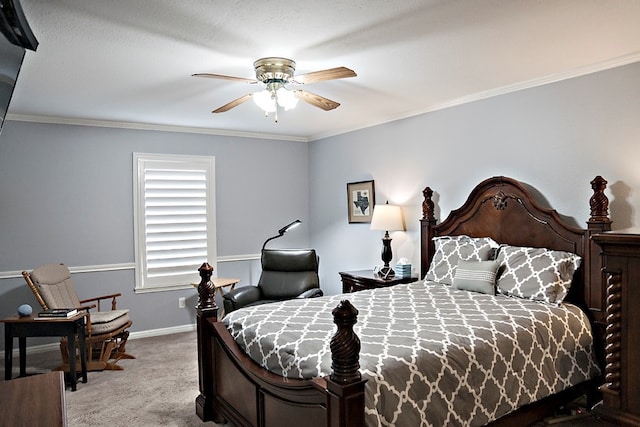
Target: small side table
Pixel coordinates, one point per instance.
(219, 283)
(33, 326)
(353, 281)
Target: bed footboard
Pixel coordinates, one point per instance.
(234, 388)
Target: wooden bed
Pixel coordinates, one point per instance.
(234, 388)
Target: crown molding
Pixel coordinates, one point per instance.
(148, 126)
(503, 90)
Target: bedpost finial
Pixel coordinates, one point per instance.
(427, 204)
(345, 345)
(206, 289)
(599, 202)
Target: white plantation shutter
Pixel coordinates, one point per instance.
(175, 219)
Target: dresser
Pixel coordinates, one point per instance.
(36, 400)
(353, 281)
(621, 274)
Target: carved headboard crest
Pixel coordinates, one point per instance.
(500, 200)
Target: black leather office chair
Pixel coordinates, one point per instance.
(286, 274)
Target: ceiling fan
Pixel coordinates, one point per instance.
(275, 73)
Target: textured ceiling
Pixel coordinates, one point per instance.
(129, 62)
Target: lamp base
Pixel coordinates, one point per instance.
(386, 272)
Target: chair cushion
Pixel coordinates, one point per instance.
(51, 274)
(286, 273)
(53, 282)
(289, 260)
(103, 322)
(279, 285)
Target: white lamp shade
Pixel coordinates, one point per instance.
(265, 100)
(286, 99)
(387, 218)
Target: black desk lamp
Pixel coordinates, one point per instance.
(283, 230)
(387, 218)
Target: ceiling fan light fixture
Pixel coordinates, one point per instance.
(273, 96)
(265, 100)
(286, 99)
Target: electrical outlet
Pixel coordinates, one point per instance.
(181, 302)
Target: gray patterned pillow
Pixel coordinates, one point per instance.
(449, 250)
(536, 273)
(476, 276)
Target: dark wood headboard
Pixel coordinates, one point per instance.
(507, 211)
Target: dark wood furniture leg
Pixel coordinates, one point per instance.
(22, 352)
(8, 352)
(71, 343)
(83, 351)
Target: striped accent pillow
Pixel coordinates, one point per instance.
(476, 276)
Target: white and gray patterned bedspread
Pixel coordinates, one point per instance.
(433, 355)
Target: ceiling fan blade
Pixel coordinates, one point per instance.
(222, 76)
(330, 74)
(234, 103)
(316, 100)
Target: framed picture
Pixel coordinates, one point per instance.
(361, 198)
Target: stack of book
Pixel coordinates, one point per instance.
(403, 270)
(59, 312)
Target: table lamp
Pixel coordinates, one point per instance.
(387, 218)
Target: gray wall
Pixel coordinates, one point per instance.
(556, 138)
(66, 191)
(67, 196)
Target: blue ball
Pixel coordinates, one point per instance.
(25, 310)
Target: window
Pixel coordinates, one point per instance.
(174, 219)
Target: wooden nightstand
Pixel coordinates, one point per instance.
(353, 281)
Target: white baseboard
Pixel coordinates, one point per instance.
(162, 331)
(132, 336)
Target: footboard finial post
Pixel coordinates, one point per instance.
(345, 345)
(345, 384)
(206, 290)
(206, 309)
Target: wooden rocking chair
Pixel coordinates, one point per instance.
(106, 331)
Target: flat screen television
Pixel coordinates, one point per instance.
(16, 37)
(11, 57)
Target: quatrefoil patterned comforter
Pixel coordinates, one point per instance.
(433, 355)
